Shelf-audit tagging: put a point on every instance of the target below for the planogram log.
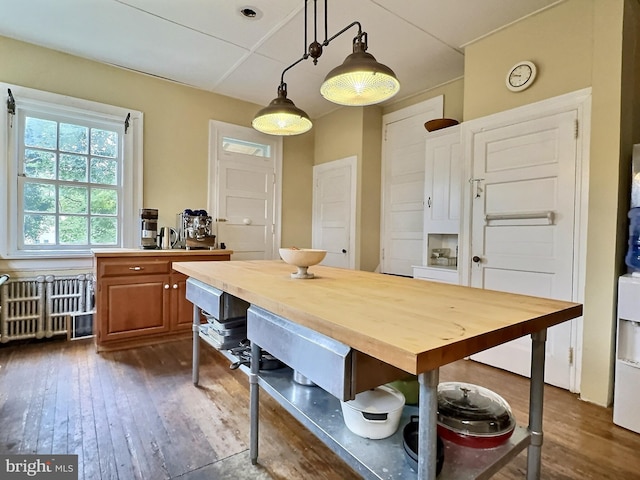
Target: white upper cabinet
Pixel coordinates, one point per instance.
(443, 182)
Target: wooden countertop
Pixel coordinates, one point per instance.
(141, 252)
(412, 324)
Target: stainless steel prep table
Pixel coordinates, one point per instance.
(409, 324)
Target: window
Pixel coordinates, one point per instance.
(76, 172)
(235, 145)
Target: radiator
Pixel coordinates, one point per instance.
(44, 306)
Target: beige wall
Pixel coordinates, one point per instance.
(176, 123)
(297, 191)
(453, 93)
(569, 59)
(176, 118)
(562, 54)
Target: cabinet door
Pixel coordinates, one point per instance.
(443, 182)
(181, 308)
(133, 307)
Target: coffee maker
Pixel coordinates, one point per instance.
(148, 228)
(195, 230)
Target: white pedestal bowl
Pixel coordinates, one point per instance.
(303, 258)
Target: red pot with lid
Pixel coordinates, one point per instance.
(473, 416)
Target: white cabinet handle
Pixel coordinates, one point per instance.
(175, 286)
(166, 286)
(136, 269)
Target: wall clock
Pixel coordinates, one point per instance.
(521, 76)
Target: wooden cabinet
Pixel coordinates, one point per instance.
(140, 299)
(443, 181)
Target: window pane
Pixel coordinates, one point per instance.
(73, 138)
(39, 164)
(104, 171)
(104, 202)
(39, 229)
(39, 197)
(104, 143)
(235, 145)
(73, 200)
(73, 168)
(104, 231)
(73, 230)
(40, 133)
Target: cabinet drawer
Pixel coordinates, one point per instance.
(133, 267)
(214, 302)
(323, 360)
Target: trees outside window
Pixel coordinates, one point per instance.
(70, 184)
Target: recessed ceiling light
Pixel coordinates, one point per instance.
(252, 13)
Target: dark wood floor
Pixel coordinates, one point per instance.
(135, 414)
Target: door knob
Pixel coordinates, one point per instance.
(476, 259)
(344, 251)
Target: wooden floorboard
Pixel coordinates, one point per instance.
(134, 414)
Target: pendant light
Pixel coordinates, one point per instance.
(360, 80)
(281, 116)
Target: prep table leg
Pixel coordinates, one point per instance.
(536, 398)
(195, 362)
(427, 411)
(253, 402)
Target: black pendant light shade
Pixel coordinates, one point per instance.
(281, 116)
(360, 80)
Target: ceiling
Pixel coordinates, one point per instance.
(210, 45)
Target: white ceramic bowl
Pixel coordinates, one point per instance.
(303, 258)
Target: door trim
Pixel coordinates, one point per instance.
(580, 101)
(216, 130)
(352, 163)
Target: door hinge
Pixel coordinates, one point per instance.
(385, 133)
(570, 355)
(577, 129)
(383, 254)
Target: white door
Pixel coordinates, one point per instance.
(522, 239)
(245, 190)
(334, 213)
(403, 164)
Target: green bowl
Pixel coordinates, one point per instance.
(409, 387)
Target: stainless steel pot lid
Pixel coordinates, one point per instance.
(473, 410)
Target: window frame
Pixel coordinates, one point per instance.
(67, 108)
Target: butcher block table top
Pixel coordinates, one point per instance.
(412, 324)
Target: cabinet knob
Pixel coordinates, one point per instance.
(344, 250)
(175, 286)
(166, 286)
(136, 268)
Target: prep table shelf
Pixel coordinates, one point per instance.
(320, 412)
